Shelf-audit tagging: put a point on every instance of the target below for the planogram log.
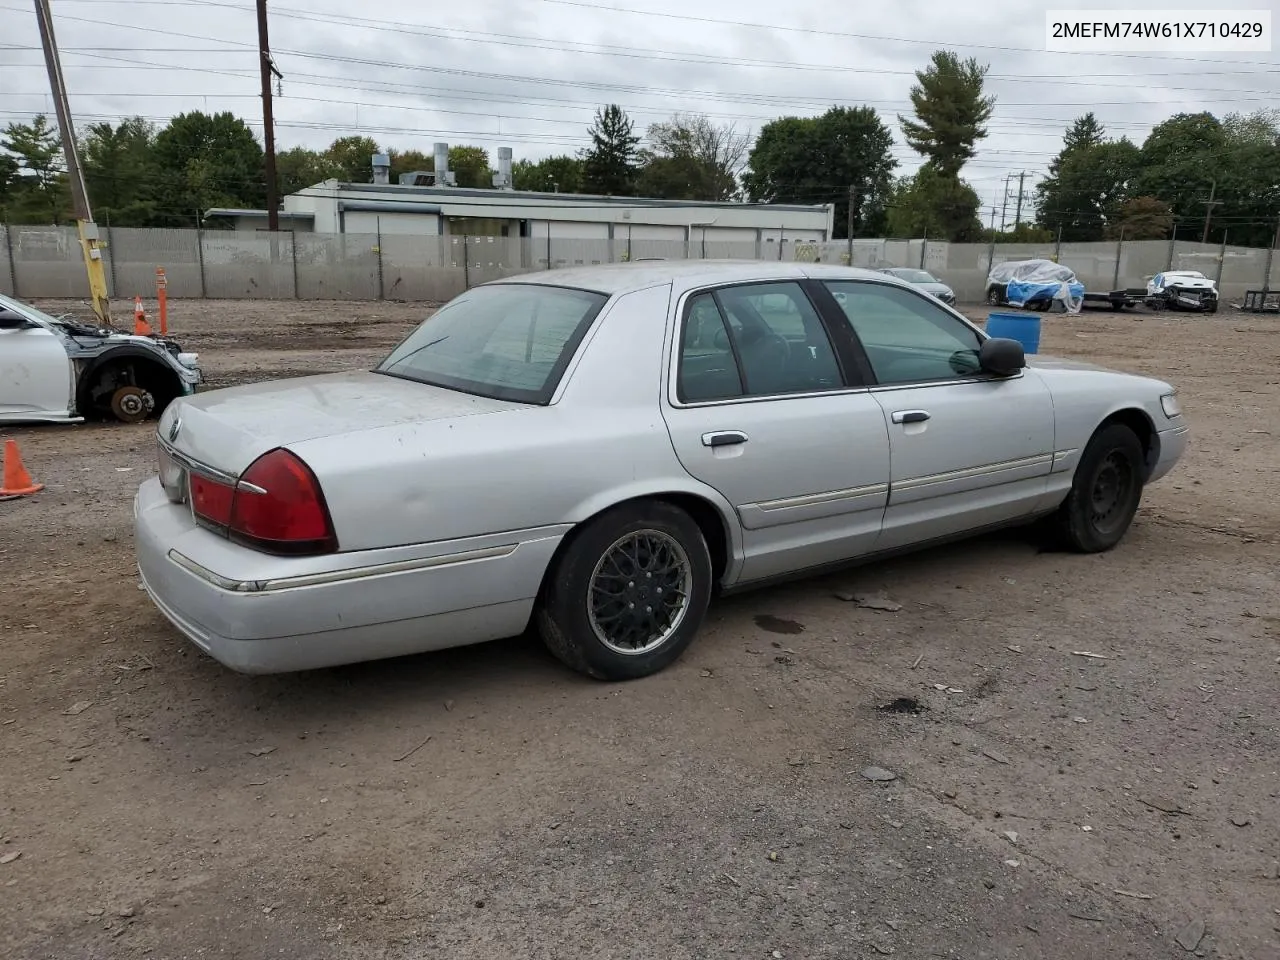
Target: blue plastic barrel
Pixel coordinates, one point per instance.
(1023, 327)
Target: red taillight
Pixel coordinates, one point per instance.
(211, 500)
(277, 506)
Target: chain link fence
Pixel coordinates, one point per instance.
(46, 262)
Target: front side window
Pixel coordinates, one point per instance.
(907, 338)
(759, 339)
(506, 341)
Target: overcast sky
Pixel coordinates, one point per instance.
(529, 73)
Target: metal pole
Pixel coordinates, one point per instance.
(549, 244)
(1222, 256)
(204, 294)
(1057, 246)
(377, 225)
(991, 248)
(782, 238)
(13, 266)
(853, 199)
(924, 247)
(1004, 205)
(266, 69)
(85, 227)
(1115, 282)
(1173, 238)
(1266, 276)
(1017, 217)
(466, 266)
(293, 255)
(111, 252)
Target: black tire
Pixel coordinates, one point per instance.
(1105, 492)
(570, 611)
(993, 296)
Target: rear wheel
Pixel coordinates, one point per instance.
(629, 593)
(993, 296)
(1105, 492)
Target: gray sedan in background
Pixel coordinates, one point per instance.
(601, 450)
(925, 280)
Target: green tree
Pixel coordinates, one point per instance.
(560, 174)
(1085, 188)
(1260, 128)
(351, 158)
(1083, 133)
(470, 166)
(818, 159)
(950, 112)
(298, 168)
(691, 158)
(1142, 218)
(119, 171)
(609, 166)
(206, 160)
(931, 204)
(39, 192)
(8, 183)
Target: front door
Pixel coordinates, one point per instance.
(968, 450)
(761, 410)
(35, 373)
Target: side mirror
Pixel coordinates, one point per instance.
(1002, 357)
(13, 321)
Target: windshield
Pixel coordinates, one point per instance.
(506, 341)
(25, 309)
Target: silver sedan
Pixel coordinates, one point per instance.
(601, 450)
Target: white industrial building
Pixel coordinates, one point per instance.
(422, 204)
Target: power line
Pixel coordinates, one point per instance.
(949, 42)
(150, 29)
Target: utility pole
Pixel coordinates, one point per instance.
(1004, 204)
(1017, 217)
(268, 124)
(85, 227)
(1208, 209)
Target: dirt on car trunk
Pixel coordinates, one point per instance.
(986, 750)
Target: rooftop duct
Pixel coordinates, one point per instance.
(502, 176)
(381, 168)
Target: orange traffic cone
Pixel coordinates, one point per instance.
(140, 326)
(17, 482)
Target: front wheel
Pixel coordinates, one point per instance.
(993, 296)
(1105, 492)
(629, 593)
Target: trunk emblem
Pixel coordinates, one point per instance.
(174, 428)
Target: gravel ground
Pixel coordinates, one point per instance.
(485, 803)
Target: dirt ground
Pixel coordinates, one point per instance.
(486, 803)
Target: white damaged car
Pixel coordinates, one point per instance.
(1182, 290)
(61, 370)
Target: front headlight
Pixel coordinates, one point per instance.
(1169, 403)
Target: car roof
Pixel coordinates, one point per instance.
(617, 278)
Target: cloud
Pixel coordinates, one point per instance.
(529, 74)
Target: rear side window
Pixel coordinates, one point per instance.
(507, 341)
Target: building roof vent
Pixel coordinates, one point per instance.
(381, 168)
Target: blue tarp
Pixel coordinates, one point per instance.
(1022, 292)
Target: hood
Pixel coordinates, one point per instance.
(1180, 280)
(935, 288)
(1041, 362)
(230, 428)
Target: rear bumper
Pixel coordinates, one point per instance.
(261, 614)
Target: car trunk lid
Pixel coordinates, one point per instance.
(226, 430)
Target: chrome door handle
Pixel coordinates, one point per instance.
(910, 416)
(723, 438)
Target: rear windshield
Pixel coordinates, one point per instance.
(507, 341)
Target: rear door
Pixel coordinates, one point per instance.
(968, 450)
(760, 407)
